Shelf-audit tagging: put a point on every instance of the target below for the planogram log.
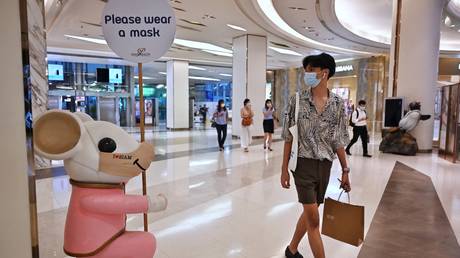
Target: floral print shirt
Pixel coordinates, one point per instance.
(320, 135)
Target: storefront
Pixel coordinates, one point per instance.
(447, 126)
(357, 79)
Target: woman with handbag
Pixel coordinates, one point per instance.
(220, 120)
(247, 119)
(269, 124)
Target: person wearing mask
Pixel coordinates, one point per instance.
(359, 124)
(322, 136)
(269, 124)
(220, 118)
(247, 116)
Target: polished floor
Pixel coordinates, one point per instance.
(230, 204)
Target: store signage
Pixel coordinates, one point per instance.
(139, 30)
(344, 68)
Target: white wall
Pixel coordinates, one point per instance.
(177, 92)
(14, 216)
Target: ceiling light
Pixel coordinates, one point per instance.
(162, 73)
(201, 45)
(203, 78)
(160, 86)
(236, 27)
(225, 74)
(145, 77)
(270, 12)
(218, 53)
(92, 40)
(285, 51)
(196, 68)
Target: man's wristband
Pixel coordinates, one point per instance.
(345, 170)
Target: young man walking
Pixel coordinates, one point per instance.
(359, 123)
(322, 135)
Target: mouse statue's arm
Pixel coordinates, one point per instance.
(123, 204)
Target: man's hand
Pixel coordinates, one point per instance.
(345, 183)
(285, 178)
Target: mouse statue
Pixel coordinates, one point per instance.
(100, 158)
(398, 140)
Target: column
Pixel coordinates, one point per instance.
(417, 59)
(177, 95)
(15, 237)
(249, 79)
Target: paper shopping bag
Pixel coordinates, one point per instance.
(343, 222)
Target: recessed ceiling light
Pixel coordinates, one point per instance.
(236, 27)
(162, 73)
(145, 77)
(196, 68)
(160, 86)
(193, 22)
(218, 53)
(92, 40)
(297, 8)
(285, 51)
(201, 45)
(225, 74)
(203, 78)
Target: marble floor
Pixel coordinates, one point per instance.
(230, 204)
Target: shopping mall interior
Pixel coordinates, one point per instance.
(67, 93)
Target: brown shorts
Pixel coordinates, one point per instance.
(311, 179)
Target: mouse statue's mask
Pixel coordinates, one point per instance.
(128, 164)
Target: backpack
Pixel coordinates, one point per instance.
(357, 116)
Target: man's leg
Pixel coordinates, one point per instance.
(364, 139)
(314, 237)
(353, 140)
(300, 231)
(224, 135)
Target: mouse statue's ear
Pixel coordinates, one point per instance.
(57, 134)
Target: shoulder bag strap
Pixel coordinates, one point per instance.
(297, 107)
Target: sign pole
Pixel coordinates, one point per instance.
(142, 129)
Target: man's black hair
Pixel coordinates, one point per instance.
(362, 102)
(246, 101)
(323, 61)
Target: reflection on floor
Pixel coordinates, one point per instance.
(230, 204)
(410, 220)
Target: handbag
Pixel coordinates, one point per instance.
(292, 165)
(247, 121)
(343, 221)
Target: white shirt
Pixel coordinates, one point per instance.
(410, 120)
(362, 115)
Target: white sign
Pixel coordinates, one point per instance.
(344, 68)
(139, 30)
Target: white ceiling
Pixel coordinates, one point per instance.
(307, 27)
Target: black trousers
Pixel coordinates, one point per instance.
(221, 134)
(359, 132)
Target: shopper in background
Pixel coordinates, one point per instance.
(220, 118)
(247, 116)
(359, 124)
(269, 124)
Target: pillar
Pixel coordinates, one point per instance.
(177, 95)
(249, 79)
(15, 236)
(417, 59)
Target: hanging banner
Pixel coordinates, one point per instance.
(139, 30)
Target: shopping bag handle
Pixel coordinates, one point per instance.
(348, 194)
(340, 195)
